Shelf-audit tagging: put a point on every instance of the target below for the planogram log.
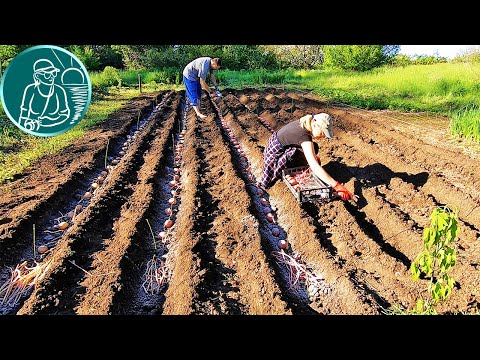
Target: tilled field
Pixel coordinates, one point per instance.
(176, 225)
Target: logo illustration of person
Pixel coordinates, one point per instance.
(44, 103)
(56, 100)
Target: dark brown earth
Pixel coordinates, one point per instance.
(221, 251)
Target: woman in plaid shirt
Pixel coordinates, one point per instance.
(293, 143)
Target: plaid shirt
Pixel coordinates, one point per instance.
(275, 158)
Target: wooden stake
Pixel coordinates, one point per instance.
(106, 153)
(34, 245)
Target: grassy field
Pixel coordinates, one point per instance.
(19, 149)
(451, 89)
(436, 88)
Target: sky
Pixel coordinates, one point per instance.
(448, 51)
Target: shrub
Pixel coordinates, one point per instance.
(359, 57)
(110, 77)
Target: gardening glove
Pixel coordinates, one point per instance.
(219, 94)
(342, 191)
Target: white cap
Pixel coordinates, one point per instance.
(326, 123)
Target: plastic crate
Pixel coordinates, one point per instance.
(315, 190)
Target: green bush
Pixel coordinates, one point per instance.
(471, 55)
(86, 56)
(428, 60)
(158, 59)
(359, 57)
(402, 60)
(164, 76)
(108, 77)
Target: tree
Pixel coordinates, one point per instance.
(8, 52)
(298, 56)
(359, 57)
(131, 54)
(237, 57)
(471, 54)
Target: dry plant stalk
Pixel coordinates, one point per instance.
(21, 280)
(298, 273)
(157, 273)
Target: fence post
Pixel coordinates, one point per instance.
(140, 82)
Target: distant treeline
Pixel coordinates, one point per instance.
(234, 57)
(243, 57)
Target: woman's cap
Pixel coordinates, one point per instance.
(44, 65)
(326, 123)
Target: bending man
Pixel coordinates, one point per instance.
(194, 75)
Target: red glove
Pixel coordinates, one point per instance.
(342, 191)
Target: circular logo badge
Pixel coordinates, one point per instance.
(45, 90)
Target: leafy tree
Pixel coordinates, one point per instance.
(8, 52)
(86, 55)
(428, 59)
(234, 57)
(297, 56)
(107, 56)
(469, 55)
(131, 55)
(237, 57)
(359, 57)
(402, 60)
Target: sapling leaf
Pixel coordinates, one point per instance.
(443, 292)
(419, 306)
(437, 258)
(426, 235)
(431, 239)
(448, 258)
(415, 271)
(442, 221)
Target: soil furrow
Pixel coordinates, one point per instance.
(60, 290)
(185, 274)
(302, 234)
(46, 186)
(239, 243)
(132, 241)
(406, 187)
(403, 186)
(362, 243)
(455, 182)
(222, 253)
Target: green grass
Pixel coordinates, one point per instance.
(152, 80)
(439, 88)
(242, 78)
(19, 149)
(466, 122)
(451, 89)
